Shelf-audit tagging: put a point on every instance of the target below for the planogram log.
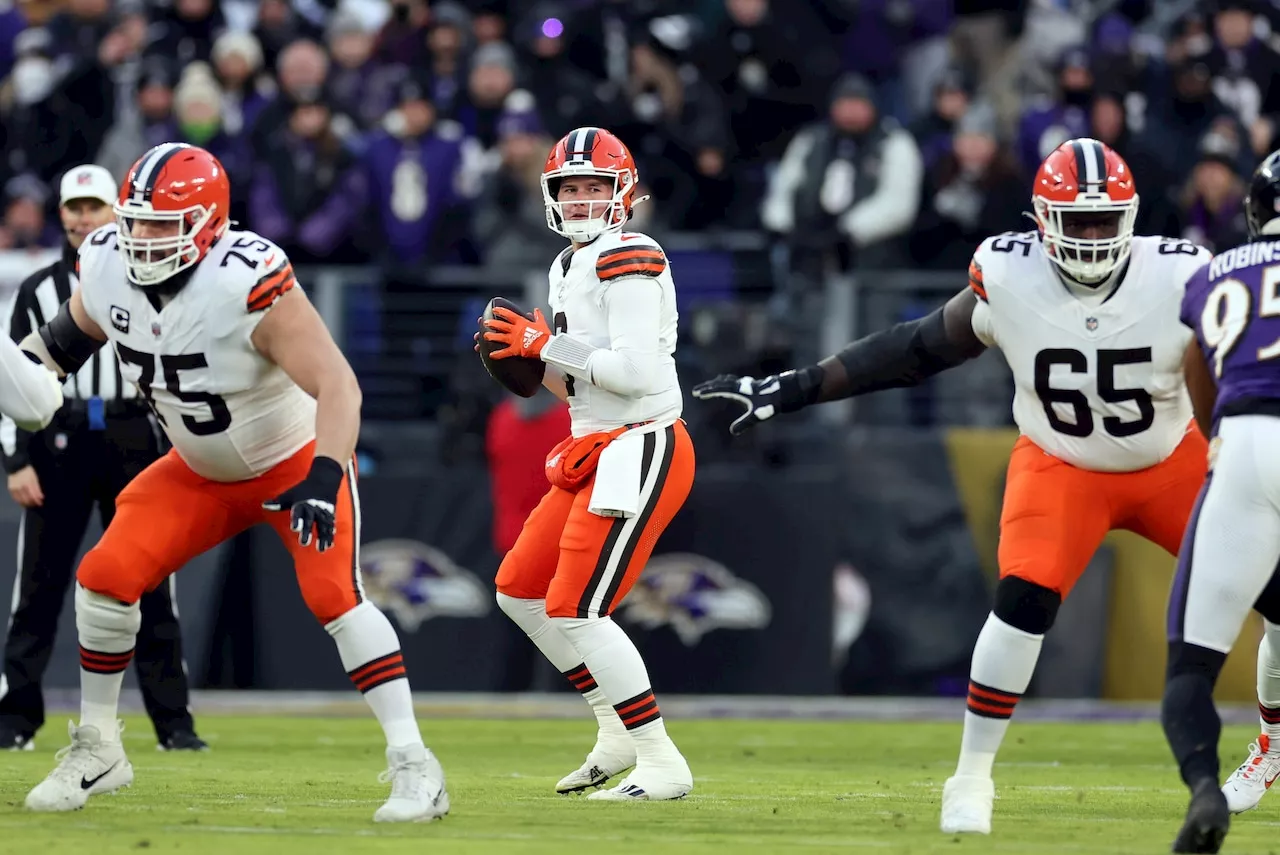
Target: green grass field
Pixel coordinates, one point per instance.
(287, 785)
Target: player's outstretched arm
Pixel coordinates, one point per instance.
(903, 355)
(30, 393)
(293, 336)
(30, 388)
(1201, 386)
(67, 341)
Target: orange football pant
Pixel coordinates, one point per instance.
(1055, 515)
(584, 564)
(169, 515)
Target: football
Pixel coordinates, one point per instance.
(518, 374)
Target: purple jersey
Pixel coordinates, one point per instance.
(1233, 305)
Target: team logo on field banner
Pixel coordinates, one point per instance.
(694, 595)
(416, 582)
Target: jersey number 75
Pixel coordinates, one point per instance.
(170, 364)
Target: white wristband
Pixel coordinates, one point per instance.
(567, 353)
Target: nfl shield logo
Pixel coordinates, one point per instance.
(1091, 324)
(155, 329)
(84, 178)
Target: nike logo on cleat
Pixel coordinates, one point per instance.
(86, 783)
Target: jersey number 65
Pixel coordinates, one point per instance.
(1081, 423)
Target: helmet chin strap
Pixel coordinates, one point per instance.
(1107, 283)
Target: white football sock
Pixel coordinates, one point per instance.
(618, 668)
(1004, 658)
(531, 616)
(1269, 683)
(370, 652)
(108, 631)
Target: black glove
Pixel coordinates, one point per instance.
(763, 399)
(313, 503)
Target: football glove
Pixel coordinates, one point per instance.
(522, 337)
(760, 399)
(313, 503)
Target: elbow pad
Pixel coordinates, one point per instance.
(903, 355)
(69, 346)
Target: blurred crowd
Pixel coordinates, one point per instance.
(862, 133)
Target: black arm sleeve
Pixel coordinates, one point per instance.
(69, 345)
(903, 355)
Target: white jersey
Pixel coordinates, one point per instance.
(1098, 381)
(616, 294)
(231, 413)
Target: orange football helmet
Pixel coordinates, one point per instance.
(590, 152)
(173, 205)
(1084, 186)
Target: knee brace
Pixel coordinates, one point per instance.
(106, 624)
(102, 571)
(587, 634)
(1025, 605)
(528, 614)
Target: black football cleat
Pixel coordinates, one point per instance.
(183, 740)
(1208, 819)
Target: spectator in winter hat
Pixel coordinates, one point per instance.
(237, 62)
(492, 79)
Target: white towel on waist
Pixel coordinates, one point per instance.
(616, 492)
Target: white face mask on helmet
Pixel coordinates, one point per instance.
(603, 214)
(1087, 260)
(151, 260)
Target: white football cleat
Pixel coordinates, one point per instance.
(1248, 784)
(86, 767)
(967, 801)
(417, 786)
(601, 765)
(652, 782)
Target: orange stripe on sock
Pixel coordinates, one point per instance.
(375, 680)
(105, 658)
(622, 711)
(390, 659)
(993, 694)
(990, 709)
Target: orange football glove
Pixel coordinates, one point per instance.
(522, 337)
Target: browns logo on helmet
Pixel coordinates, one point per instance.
(173, 206)
(595, 153)
(1085, 206)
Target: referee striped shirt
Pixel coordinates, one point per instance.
(36, 302)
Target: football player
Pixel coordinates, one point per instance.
(1232, 545)
(1086, 315)
(263, 413)
(622, 475)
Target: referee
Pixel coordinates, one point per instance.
(101, 438)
